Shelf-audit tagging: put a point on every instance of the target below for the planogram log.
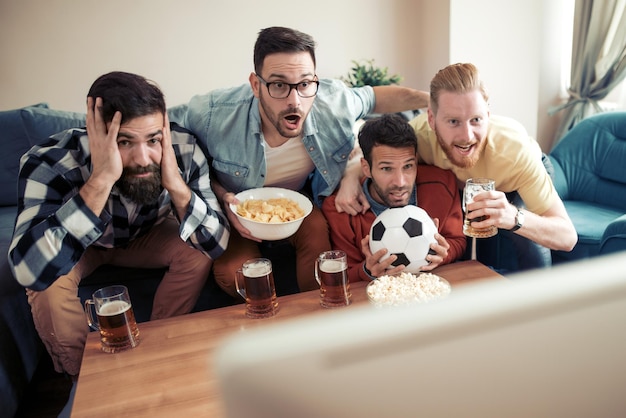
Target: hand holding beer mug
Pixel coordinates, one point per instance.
(255, 283)
(331, 273)
(115, 318)
(472, 188)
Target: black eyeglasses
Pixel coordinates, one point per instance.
(282, 90)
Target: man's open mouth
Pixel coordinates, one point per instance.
(464, 148)
(293, 120)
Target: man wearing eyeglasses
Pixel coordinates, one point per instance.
(287, 128)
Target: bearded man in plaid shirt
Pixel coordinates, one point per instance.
(128, 190)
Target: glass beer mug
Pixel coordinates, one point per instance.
(254, 282)
(331, 273)
(472, 188)
(115, 318)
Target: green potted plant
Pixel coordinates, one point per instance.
(365, 73)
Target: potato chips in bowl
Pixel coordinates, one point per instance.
(271, 213)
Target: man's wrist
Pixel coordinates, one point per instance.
(369, 273)
(519, 220)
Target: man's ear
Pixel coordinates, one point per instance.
(431, 118)
(255, 84)
(365, 168)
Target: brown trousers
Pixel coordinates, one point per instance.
(309, 241)
(58, 312)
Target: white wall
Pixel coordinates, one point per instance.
(434, 40)
(53, 50)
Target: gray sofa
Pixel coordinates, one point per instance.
(20, 346)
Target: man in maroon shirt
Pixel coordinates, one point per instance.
(390, 167)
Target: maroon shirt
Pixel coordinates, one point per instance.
(437, 194)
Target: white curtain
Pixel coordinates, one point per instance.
(598, 59)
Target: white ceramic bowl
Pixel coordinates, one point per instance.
(274, 231)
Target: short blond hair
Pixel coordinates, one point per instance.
(456, 78)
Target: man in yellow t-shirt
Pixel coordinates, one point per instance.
(459, 134)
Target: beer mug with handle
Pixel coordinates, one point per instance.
(255, 283)
(473, 187)
(114, 319)
(331, 273)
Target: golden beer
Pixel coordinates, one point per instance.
(472, 188)
(115, 319)
(118, 327)
(258, 288)
(331, 273)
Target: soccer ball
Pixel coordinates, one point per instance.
(406, 232)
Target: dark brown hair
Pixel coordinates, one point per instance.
(280, 39)
(130, 94)
(389, 129)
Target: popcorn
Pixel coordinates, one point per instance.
(406, 288)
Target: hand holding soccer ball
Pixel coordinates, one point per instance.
(406, 232)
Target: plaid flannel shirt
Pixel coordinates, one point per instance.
(54, 226)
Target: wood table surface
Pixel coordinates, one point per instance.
(171, 372)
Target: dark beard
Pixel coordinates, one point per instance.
(144, 191)
(382, 194)
(276, 119)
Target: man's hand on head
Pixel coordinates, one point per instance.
(106, 160)
(170, 174)
(171, 180)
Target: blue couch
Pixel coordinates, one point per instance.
(20, 346)
(590, 177)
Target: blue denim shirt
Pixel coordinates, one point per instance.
(229, 123)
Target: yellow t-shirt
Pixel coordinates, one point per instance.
(511, 157)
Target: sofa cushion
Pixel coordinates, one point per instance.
(13, 143)
(22, 128)
(590, 229)
(590, 159)
(41, 123)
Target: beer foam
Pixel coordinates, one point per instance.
(256, 270)
(332, 266)
(113, 308)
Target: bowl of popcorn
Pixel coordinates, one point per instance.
(271, 213)
(407, 288)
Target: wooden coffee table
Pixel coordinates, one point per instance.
(171, 372)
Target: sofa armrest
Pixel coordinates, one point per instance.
(559, 180)
(614, 237)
